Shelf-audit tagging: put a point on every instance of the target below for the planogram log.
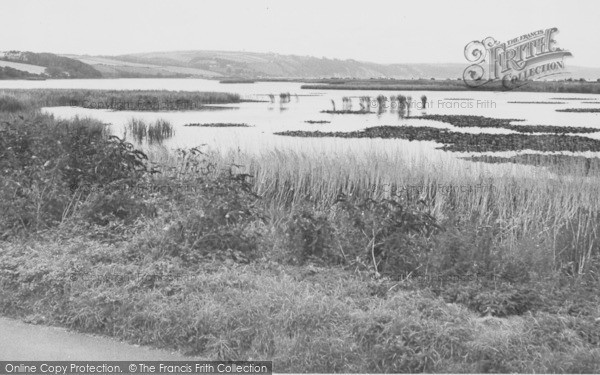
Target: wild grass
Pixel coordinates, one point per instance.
(316, 319)
(521, 204)
(10, 103)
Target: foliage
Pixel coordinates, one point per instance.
(48, 166)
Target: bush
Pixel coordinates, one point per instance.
(217, 218)
(48, 167)
(309, 235)
(393, 238)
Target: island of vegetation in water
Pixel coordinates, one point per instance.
(465, 142)
(579, 110)
(219, 125)
(469, 121)
(540, 102)
(118, 100)
(237, 80)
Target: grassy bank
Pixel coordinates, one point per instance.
(321, 263)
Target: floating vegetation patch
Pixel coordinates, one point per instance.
(573, 98)
(218, 125)
(552, 129)
(580, 110)
(155, 132)
(218, 107)
(536, 102)
(464, 142)
(463, 121)
(237, 80)
(348, 112)
(317, 121)
(562, 164)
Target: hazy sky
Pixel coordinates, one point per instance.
(379, 31)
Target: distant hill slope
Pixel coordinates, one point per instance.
(114, 68)
(271, 65)
(46, 65)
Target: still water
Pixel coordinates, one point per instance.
(266, 116)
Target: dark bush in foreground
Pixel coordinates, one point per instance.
(48, 167)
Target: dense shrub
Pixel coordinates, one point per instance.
(49, 166)
(214, 216)
(393, 238)
(309, 235)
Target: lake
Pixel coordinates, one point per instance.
(266, 117)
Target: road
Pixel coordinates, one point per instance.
(26, 342)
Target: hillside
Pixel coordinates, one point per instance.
(18, 64)
(212, 64)
(271, 65)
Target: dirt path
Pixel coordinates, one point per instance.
(21, 341)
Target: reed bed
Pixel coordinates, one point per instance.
(521, 203)
(132, 100)
(154, 133)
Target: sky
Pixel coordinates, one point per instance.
(423, 31)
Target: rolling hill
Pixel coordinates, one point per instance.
(214, 64)
(225, 64)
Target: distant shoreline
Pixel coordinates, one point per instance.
(573, 86)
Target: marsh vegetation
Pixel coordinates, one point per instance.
(322, 262)
(153, 133)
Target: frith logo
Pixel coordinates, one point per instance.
(529, 57)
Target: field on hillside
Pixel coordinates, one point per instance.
(120, 68)
(35, 69)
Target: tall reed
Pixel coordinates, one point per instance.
(533, 212)
(155, 132)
